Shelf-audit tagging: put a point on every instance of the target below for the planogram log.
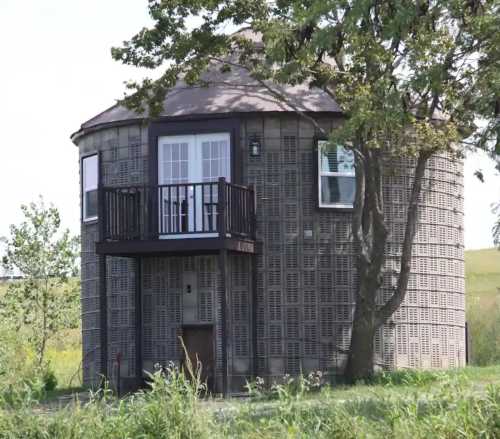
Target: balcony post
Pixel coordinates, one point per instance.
(153, 212)
(253, 211)
(221, 208)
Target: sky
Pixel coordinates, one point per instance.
(57, 72)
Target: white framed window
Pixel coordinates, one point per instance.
(192, 159)
(336, 176)
(90, 172)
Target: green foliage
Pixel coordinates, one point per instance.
(45, 301)
(171, 408)
(484, 330)
(483, 305)
(389, 65)
(406, 377)
(22, 380)
(49, 380)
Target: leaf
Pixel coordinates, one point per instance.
(479, 175)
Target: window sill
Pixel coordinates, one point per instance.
(90, 221)
(338, 208)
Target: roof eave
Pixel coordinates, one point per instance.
(88, 130)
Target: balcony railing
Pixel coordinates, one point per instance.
(184, 210)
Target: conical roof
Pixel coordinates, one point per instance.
(233, 91)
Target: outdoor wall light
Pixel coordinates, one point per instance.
(254, 147)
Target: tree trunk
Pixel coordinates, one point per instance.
(360, 359)
(370, 237)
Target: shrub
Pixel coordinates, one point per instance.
(49, 380)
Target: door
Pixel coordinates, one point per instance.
(199, 347)
(182, 161)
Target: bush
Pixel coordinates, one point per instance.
(22, 381)
(49, 380)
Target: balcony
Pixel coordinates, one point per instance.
(184, 218)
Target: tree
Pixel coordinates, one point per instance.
(45, 300)
(496, 226)
(411, 77)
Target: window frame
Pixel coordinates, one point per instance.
(84, 190)
(320, 173)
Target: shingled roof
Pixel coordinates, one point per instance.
(233, 91)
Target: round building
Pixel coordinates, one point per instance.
(225, 223)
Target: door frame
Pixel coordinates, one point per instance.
(195, 174)
(212, 328)
(196, 125)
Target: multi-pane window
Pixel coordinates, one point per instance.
(174, 161)
(215, 157)
(89, 187)
(336, 176)
(186, 163)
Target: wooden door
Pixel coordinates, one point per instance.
(199, 346)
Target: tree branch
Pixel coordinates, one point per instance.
(359, 207)
(406, 253)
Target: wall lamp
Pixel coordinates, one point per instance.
(254, 147)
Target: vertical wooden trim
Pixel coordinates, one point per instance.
(223, 318)
(101, 208)
(103, 314)
(153, 155)
(236, 153)
(255, 358)
(202, 125)
(221, 209)
(152, 195)
(103, 299)
(138, 321)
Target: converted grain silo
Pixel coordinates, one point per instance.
(224, 221)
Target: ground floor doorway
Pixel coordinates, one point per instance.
(199, 344)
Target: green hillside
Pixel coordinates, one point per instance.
(482, 272)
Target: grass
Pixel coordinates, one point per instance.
(65, 357)
(482, 268)
(482, 275)
(64, 354)
(453, 404)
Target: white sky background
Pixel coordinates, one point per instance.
(56, 72)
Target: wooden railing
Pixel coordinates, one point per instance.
(177, 210)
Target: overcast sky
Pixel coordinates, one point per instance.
(56, 72)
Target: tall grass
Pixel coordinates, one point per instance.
(172, 408)
(482, 269)
(483, 318)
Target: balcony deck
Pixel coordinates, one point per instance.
(174, 219)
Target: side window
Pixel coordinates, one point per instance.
(90, 171)
(336, 176)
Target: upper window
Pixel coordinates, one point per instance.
(89, 187)
(336, 176)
